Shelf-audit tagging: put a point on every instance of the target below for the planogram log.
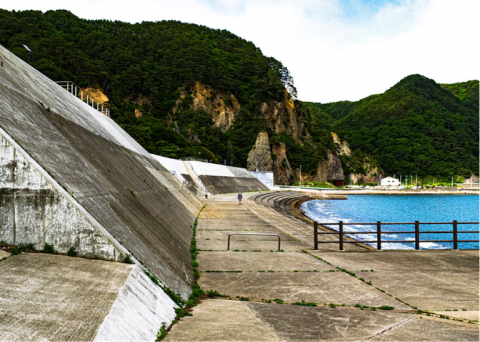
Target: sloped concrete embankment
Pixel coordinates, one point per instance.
(57, 298)
(93, 172)
(221, 179)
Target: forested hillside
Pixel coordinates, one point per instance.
(147, 67)
(207, 94)
(415, 127)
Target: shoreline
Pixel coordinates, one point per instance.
(355, 237)
(384, 191)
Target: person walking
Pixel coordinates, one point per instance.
(240, 196)
(206, 194)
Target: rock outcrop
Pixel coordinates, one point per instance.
(93, 93)
(223, 107)
(282, 116)
(282, 171)
(330, 168)
(260, 156)
(342, 147)
(266, 157)
(372, 174)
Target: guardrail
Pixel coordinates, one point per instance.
(229, 235)
(75, 90)
(379, 233)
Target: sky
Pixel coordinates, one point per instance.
(335, 49)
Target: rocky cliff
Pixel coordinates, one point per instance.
(93, 93)
(223, 107)
(372, 175)
(260, 156)
(282, 116)
(330, 168)
(266, 157)
(342, 146)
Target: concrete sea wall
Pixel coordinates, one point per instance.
(35, 209)
(117, 184)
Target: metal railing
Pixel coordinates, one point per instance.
(75, 90)
(229, 235)
(379, 233)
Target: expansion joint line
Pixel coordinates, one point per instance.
(390, 327)
(355, 276)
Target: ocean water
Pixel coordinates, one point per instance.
(402, 208)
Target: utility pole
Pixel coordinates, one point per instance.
(300, 175)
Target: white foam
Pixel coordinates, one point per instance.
(320, 215)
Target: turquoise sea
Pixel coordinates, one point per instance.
(401, 208)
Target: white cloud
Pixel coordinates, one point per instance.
(335, 49)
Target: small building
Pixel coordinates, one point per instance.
(390, 181)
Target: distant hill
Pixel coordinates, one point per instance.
(203, 92)
(416, 127)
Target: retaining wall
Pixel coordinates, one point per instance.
(113, 179)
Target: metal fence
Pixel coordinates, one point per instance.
(76, 91)
(379, 233)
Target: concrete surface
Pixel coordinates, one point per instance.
(138, 312)
(298, 323)
(219, 320)
(429, 280)
(59, 298)
(255, 261)
(34, 209)
(138, 203)
(51, 297)
(428, 329)
(237, 242)
(317, 287)
(4, 254)
(225, 185)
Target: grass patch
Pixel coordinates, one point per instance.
(128, 259)
(72, 252)
(213, 294)
(386, 307)
(47, 248)
(303, 303)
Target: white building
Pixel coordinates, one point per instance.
(390, 181)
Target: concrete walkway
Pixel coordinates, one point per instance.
(255, 277)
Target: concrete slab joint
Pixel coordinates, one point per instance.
(34, 208)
